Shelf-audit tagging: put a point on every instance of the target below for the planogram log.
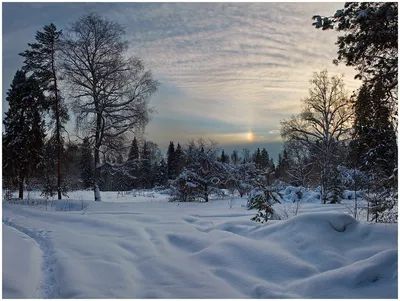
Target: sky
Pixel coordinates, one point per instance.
(230, 72)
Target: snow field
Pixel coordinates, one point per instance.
(157, 249)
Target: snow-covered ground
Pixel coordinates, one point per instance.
(146, 247)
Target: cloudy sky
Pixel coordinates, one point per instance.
(226, 69)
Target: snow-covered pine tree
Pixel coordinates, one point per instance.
(203, 174)
(41, 60)
(263, 197)
(161, 173)
(24, 127)
(239, 177)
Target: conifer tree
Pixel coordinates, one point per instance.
(133, 162)
(24, 127)
(145, 167)
(179, 160)
(235, 157)
(41, 60)
(171, 160)
(257, 158)
(264, 158)
(161, 174)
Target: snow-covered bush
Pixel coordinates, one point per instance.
(239, 177)
(182, 189)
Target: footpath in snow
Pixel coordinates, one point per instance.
(194, 250)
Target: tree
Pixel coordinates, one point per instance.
(161, 173)
(374, 145)
(47, 171)
(369, 43)
(235, 159)
(296, 163)
(203, 175)
(323, 124)
(171, 162)
(86, 164)
(41, 60)
(264, 161)
(24, 128)
(246, 158)
(179, 160)
(145, 167)
(110, 91)
(262, 198)
(257, 159)
(240, 177)
(133, 163)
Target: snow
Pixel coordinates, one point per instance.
(146, 247)
(21, 265)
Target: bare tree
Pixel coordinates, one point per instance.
(323, 123)
(300, 164)
(110, 92)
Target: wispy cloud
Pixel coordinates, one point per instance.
(238, 66)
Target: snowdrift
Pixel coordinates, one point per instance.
(162, 250)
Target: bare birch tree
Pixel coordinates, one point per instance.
(110, 91)
(323, 123)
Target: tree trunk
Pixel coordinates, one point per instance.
(21, 188)
(355, 194)
(97, 196)
(58, 135)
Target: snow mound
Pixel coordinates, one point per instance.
(302, 194)
(206, 250)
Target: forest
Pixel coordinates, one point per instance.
(340, 140)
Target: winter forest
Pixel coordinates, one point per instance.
(333, 187)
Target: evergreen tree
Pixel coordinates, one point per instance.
(86, 164)
(264, 159)
(235, 157)
(161, 173)
(145, 167)
(41, 60)
(179, 160)
(374, 134)
(171, 161)
(24, 127)
(133, 164)
(246, 158)
(224, 157)
(257, 158)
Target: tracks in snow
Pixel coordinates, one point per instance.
(48, 287)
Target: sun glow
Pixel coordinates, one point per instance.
(250, 136)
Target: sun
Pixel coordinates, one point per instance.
(250, 136)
